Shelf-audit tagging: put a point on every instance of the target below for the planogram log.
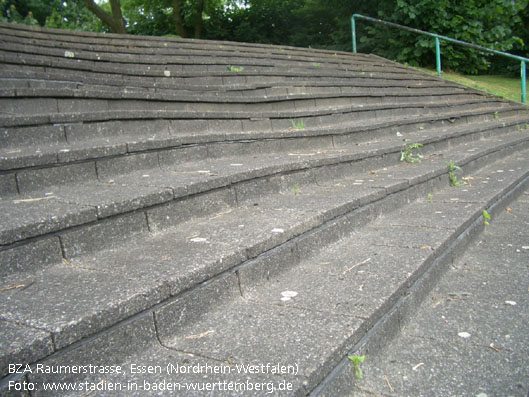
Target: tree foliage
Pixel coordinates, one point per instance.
(490, 23)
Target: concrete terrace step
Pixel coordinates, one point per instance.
(82, 193)
(64, 144)
(301, 100)
(201, 187)
(239, 317)
(115, 43)
(263, 92)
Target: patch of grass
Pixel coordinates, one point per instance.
(296, 189)
(502, 86)
(410, 153)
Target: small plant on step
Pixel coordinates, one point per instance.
(296, 189)
(298, 125)
(430, 197)
(496, 115)
(453, 169)
(357, 360)
(235, 69)
(486, 218)
(410, 153)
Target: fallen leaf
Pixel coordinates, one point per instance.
(508, 209)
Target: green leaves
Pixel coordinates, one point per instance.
(486, 218)
(357, 360)
(490, 23)
(410, 153)
(453, 169)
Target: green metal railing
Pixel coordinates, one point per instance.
(438, 38)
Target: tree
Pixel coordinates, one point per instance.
(489, 23)
(63, 14)
(114, 20)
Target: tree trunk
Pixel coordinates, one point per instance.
(180, 29)
(199, 21)
(115, 21)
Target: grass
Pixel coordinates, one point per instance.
(502, 86)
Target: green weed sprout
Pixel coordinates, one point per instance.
(452, 174)
(409, 155)
(296, 189)
(357, 360)
(299, 125)
(486, 218)
(235, 69)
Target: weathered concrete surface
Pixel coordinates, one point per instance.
(469, 337)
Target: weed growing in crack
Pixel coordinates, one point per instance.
(296, 189)
(357, 360)
(486, 218)
(300, 125)
(453, 169)
(410, 153)
(235, 69)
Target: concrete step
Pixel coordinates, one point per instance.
(57, 198)
(18, 88)
(61, 144)
(232, 312)
(144, 45)
(482, 293)
(75, 106)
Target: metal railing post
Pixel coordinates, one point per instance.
(524, 87)
(353, 29)
(438, 55)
